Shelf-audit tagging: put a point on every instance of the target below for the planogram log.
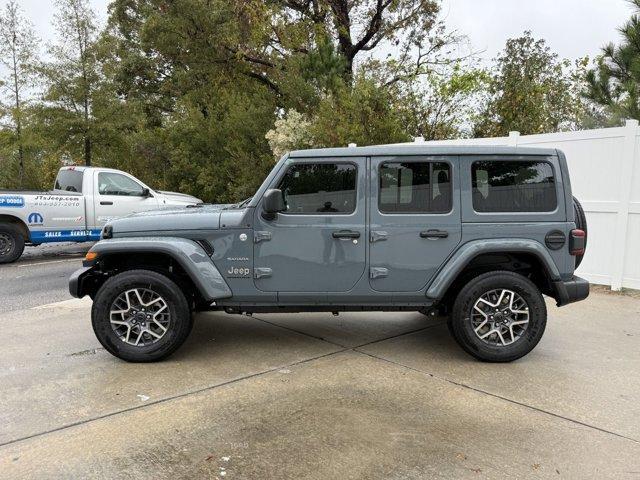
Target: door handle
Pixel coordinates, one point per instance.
(345, 234)
(106, 203)
(433, 234)
(378, 236)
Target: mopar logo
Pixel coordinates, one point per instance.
(35, 219)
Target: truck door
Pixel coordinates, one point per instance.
(117, 195)
(415, 220)
(318, 244)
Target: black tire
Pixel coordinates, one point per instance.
(178, 329)
(581, 223)
(462, 329)
(11, 243)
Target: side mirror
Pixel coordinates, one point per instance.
(145, 193)
(272, 203)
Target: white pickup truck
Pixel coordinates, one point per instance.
(82, 201)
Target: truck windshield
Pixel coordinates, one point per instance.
(69, 181)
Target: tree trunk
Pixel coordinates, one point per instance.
(87, 149)
(17, 114)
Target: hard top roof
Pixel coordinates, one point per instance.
(421, 149)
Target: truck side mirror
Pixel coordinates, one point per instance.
(145, 192)
(272, 203)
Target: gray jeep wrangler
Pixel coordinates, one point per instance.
(475, 233)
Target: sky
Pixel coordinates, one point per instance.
(572, 28)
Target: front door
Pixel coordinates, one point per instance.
(117, 195)
(318, 243)
(415, 220)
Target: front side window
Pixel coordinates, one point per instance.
(116, 184)
(513, 186)
(320, 188)
(415, 187)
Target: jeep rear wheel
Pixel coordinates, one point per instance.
(498, 317)
(141, 316)
(11, 243)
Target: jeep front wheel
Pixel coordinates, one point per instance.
(498, 317)
(141, 316)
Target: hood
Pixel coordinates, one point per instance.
(175, 198)
(202, 217)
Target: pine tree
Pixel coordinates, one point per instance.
(18, 55)
(615, 82)
(72, 76)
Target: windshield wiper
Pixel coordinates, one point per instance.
(244, 202)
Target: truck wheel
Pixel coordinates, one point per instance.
(141, 316)
(498, 317)
(11, 243)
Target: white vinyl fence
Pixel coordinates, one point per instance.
(604, 165)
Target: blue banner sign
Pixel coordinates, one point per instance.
(14, 201)
(64, 236)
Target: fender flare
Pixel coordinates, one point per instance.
(468, 251)
(187, 253)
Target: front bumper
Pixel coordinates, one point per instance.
(570, 291)
(75, 282)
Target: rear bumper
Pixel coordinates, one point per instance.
(75, 281)
(570, 291)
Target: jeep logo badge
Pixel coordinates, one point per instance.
(238, 272)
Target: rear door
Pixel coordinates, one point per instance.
(414, 220)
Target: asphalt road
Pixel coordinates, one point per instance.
(40, 276)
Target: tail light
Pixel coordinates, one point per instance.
(576, 242)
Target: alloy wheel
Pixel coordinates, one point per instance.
(500, 317)
(140, 317)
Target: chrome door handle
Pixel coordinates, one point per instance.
(433, 234)
(378, 236)
(345, 234)
(378, 272)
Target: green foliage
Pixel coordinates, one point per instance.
(363, 114)
(614, 83)
(443, 105)
(200, 95)
(532, 92)
(18, 47)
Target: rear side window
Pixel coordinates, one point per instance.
(320, 188)
(69, 181)
(513, 186)
(415, 187)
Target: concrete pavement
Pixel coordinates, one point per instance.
(382, 395)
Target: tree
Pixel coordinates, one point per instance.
(18, 55)
(363, 114)
(294, 48)
(72, 77)
(442, 105)
(614, 83)
(532, 91)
